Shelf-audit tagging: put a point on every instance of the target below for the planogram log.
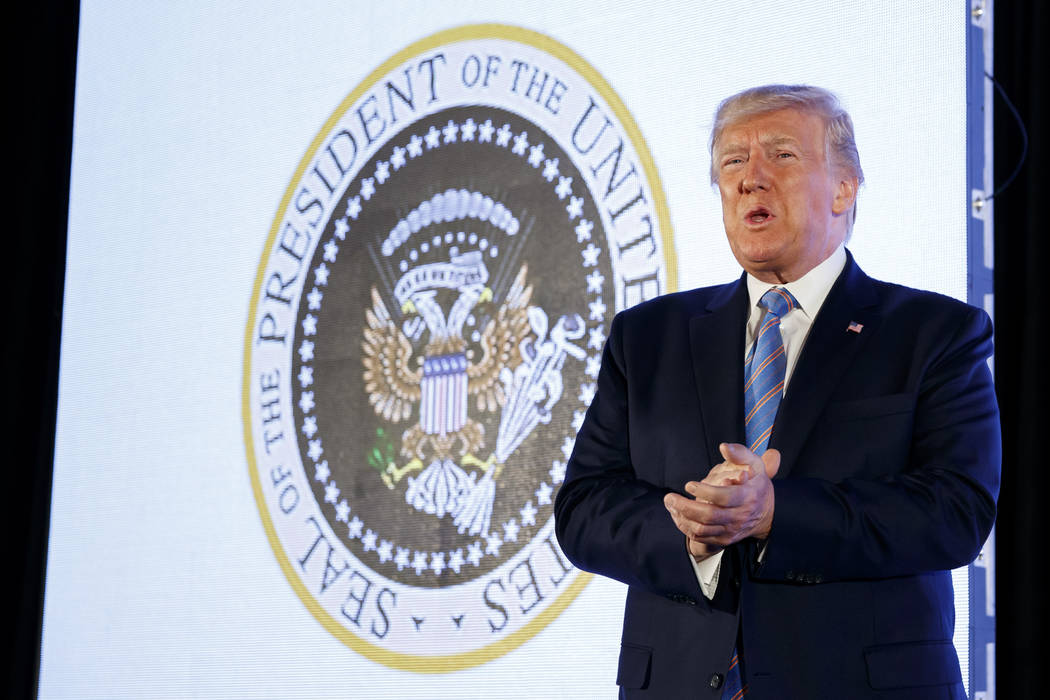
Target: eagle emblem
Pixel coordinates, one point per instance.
(512, 365)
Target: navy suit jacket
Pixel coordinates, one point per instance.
(889, 474)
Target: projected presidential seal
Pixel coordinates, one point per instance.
(425, 335)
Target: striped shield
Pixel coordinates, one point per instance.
(443, 407)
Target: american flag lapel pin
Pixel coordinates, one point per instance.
(855, 327)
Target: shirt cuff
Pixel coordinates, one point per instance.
(707, 572)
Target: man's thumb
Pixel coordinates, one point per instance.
(771, 458)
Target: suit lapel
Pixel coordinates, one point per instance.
(828, 352)
(716, 338)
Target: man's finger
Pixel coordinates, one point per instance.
(671, 503)
(686, 511)
(679, 506)
(771, 460)
(723, 448)
(724, 474)
(738, 454)
(718, 495)
(694, 530)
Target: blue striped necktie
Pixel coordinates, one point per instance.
(764, 373)
(765, 369)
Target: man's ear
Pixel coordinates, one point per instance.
(845, 195)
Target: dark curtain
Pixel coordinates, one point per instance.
(1021, 305)
(42, 61)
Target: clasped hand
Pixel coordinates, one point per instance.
(734, 501)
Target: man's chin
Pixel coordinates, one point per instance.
(758, 261)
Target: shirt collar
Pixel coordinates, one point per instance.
(811, 289)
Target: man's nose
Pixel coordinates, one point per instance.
(756, 176)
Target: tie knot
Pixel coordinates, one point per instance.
(778, 301)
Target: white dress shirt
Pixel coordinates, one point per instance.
(809, 291)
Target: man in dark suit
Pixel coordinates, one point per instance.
(819, 567)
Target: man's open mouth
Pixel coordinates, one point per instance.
(758, 215)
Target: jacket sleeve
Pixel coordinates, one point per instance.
(608, 520)
(931, 513)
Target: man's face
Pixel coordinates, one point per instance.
(784, 206)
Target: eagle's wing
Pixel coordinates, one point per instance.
(391, 383)
(499, 343)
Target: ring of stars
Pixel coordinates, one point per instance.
(400, 156)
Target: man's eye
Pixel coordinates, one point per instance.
(785, 154)
(732, 161)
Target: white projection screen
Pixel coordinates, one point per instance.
(338, 278)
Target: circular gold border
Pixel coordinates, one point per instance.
(450, 662)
